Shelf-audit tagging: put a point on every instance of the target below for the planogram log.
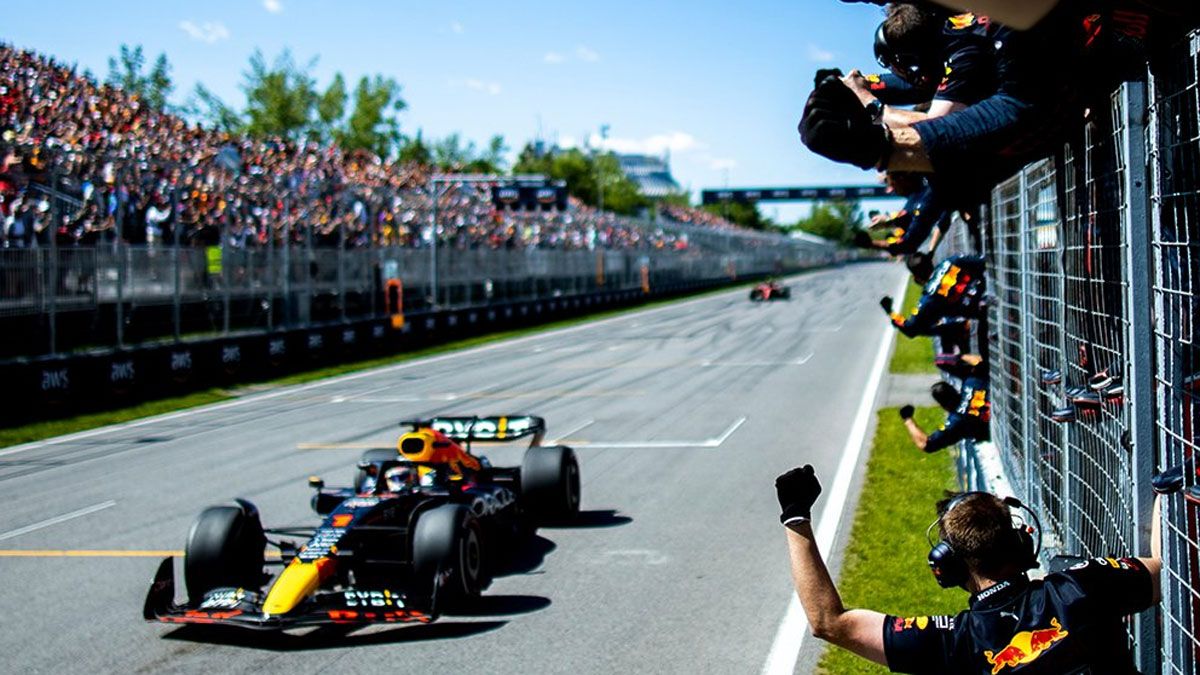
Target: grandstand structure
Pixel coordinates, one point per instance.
(122, 224)
(651, 174)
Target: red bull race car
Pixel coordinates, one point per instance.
(421, 530)
(770, 290)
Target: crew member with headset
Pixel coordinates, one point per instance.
(1068, 622)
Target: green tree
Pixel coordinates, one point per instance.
(126, 71)
(331, 108)
(280, 97)
(373, 124)
(833, 220)
(585, 175)
(415, 151)
(211, 110)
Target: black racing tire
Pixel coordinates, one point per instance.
(373, 456)
(785, 294)
(448, 555)
(225, 548)
(756, 295)
(550, 483)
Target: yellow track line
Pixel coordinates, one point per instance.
(86, 554)
(52, 553)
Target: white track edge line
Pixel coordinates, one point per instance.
(789, 639)
(368, 373)
(57, 519)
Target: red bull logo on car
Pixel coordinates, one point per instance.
(1026, 647)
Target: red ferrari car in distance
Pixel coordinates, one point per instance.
(770, 290)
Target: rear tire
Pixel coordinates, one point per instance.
(448, 555)
(550, 483)
(756, 295)
(224, 549)
(372, 457)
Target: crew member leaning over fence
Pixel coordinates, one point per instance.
(953, 295)
(922, 219)
(969, 415)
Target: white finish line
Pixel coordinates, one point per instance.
(785, 650)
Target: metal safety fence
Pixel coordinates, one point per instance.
(1094, 362)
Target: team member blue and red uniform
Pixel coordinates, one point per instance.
(953, 295)
(1068, 620)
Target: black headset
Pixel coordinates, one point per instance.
(950, 569)
(917, 68)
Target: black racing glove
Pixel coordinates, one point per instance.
(824, 74)
(862, 239)
(797, 490)
(887, 304)
(837, 126)
(907, 412)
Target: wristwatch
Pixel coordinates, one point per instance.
(875, 110)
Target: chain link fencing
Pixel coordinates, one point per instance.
(1094, 363)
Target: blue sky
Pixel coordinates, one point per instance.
(720, 85)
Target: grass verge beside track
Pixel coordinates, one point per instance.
(885, 564)
(51, 428)
(913, 356)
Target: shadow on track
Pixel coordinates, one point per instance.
(333, 637)
(590, 519)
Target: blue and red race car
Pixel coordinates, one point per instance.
(421, 530)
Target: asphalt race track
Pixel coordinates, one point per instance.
(682, 417)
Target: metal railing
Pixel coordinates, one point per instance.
(55, 299)
(1094, 360)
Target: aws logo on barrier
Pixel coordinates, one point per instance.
(56, 380)
(121, 372)
(181, 365)
(231, 358)
(276, 351)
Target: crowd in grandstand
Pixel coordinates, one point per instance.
(83, 163)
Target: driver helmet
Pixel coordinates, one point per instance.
(400, 478)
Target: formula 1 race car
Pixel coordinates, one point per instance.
(422, 530)
(770, 290)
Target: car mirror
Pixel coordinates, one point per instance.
(316, 482)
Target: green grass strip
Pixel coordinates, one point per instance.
(39, 431)
(913, 356)
(885, 565)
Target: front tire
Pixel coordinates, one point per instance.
(550, 483)
(448, 555)
(224, 550)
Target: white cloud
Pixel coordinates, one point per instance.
(491, 88)
(210, 32)
(273, 6)
(674, 141)
(457, 28)
(554, 58)
(819, 55)
(586, 55)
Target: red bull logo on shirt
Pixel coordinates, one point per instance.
(1026, 647)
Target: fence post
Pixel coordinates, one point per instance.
(1140, 341)
(1024, 491)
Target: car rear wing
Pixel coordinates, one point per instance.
(505, 428)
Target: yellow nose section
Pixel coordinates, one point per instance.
(298, 581)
